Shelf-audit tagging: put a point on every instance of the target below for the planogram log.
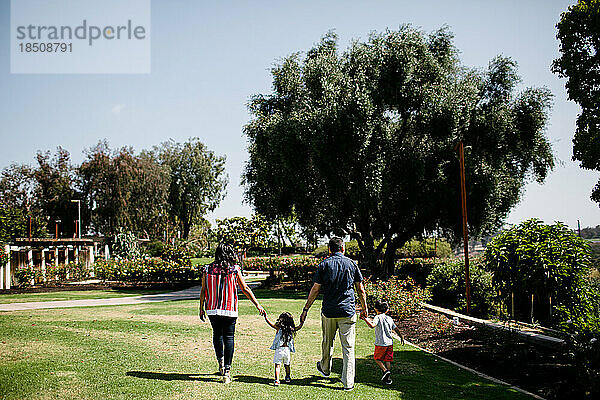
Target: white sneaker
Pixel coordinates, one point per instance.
(226, 378)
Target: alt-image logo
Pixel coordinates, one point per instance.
(85, 31)
(80, 36)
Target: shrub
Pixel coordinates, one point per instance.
(446, 284)
(125, 245)
(296, 269)
(425, 248)
(155, 248)
(403, 296)
(25, 275)
(148, 270)
(417, 269)
(552, 263)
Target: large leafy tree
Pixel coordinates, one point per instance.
(56, 180)
(362, 142)
(124, 191)
(197, 184)
(18, 202)
(579, 35)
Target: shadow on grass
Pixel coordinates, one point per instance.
(170, 376)
(315, 381)
(280, 294)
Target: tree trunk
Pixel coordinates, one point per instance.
(390, 257)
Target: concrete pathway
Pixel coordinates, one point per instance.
(187, 294)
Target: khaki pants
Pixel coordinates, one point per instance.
(347, 328)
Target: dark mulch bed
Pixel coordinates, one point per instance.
(503, 355)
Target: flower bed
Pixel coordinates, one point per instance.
(403, 296)
(58, 273)
(147, 270)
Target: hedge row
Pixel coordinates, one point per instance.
(297, 269)
(147, 270)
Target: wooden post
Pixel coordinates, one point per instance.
(463, 196)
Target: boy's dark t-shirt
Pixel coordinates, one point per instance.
(337, 275)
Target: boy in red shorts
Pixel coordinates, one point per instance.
(384, 343)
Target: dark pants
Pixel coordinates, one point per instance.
(223, 333)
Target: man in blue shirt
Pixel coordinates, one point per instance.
(337, 277)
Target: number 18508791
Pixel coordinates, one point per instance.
(46, 47)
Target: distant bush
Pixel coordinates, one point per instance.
(296, 269)
(446, 284)
(403, 296)
(425, 248)
(155, 248)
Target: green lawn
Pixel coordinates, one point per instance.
(75, 295)
(202, 261)
(163, 351)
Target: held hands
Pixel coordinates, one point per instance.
(261, 311)
(364, 313)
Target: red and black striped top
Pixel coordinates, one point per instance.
(221, 290)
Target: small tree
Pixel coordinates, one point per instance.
(548, 262)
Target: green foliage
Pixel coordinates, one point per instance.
(403, 296)
(125, 245)
(446, 284)
(197, 181)
(124, 190)
(579, 36)
(442, 326)
(155, 248)
(73, 271)
(547, 261)
(361, 142)
(26, 275)
(294, 269)
(55, 188)
(242, 233)
(425, 248)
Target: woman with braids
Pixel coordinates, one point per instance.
(283, 344)
(219, 300)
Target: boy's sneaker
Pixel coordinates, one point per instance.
(275, 383)
(226, 377)
(287, 379)
(386, 377)
(323, 374)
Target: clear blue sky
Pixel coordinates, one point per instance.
(209, 57)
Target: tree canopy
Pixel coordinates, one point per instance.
(579, 35)
(198, 181)
(361, 142)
